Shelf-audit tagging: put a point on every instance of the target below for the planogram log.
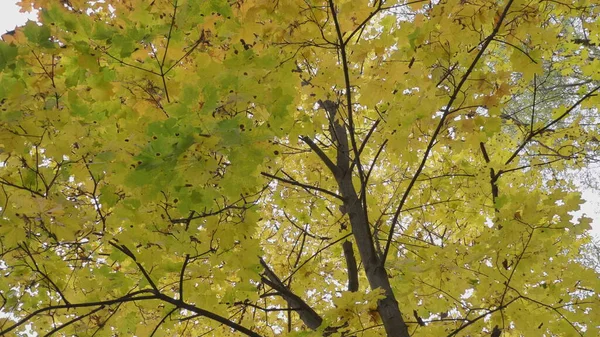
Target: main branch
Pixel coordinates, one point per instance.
(438, 129)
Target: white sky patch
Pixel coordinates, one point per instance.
(10, 17)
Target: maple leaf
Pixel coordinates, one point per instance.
(298, 168)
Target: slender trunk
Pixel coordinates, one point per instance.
(376, 274)
(387, 307)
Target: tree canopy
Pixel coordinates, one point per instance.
(298, 168)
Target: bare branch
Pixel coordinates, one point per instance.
(351, 266)
(310, 317)
(332, 167)
(297, 183)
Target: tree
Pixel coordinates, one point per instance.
(591, 254)
(301, 168)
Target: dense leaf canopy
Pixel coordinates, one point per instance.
(298, 168)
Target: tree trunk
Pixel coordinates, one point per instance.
(376, 274)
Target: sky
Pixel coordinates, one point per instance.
(11, 17)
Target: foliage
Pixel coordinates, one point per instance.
(591, 254)
(299, 167)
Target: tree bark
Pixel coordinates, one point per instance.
(310, 317)
(351, 266)
(387, 307)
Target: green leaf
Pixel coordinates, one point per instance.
(8, 55)
(37, 34)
